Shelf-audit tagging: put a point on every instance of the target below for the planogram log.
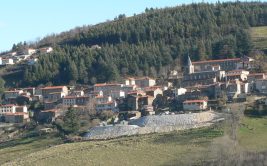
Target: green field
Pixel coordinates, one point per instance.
(252, 134)
(259, 37)
(192, 147)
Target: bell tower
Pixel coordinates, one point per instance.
(190, 66)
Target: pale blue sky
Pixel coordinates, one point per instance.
(26, 20)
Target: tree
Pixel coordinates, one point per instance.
(70, 122)
(2, 85)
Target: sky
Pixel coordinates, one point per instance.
(28, 20)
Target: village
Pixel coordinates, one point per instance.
(203, 86)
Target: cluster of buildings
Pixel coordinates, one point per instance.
(200, 86)
(28, 55)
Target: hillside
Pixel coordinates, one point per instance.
(206, 146)
(259, 37)
(147, 44)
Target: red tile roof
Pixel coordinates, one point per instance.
(51, 110)
(53, 87)
(218, 60)
(194, 101)
(105, 84)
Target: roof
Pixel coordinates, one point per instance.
(105, 84)
(51, 110)
(16, 113)
(144, 78)
(13, 91)
(218, 60)
(53, 87)
(152, 88)
(8, 105)
(233, 74)
(75, 97)
(194, 101)
(256, 74)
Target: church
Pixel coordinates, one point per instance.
(206, 73)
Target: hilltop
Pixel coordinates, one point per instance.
(150, 43)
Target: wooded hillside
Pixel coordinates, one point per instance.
(147, 44)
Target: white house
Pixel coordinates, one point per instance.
(9, 108)
(195, 105)
(7, 61)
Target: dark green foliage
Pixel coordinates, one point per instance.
(2, 85)
(145, 43)
(70, 122)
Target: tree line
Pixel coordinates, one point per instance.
(148, 44)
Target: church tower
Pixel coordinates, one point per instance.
(190, 66)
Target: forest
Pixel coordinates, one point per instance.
(147, 44)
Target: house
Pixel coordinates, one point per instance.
(129, 81)
(145, 82)
(108, 106)
(237, 74)
(255, 76)
(13, 113)
(117, 94)
(225, 64)
(55, 96)
(261, 85)
(138, 102)
(61, 90)
(7, 61)
(75, 100)
(77, 93)
(50, 105)
(49, 116)
(246, 63)
(18, 117)
(45, 50)
(153, 91)
(9, 108)
(128, 88)
(195, 105)
(208, 74)
(107, 88)
(29, 51)
(233, 89)
(12, 94)
(31, 90)
(103, 99)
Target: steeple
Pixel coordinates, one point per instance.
(190, 67)
(189, 63)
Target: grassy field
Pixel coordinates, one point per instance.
(183, 148)
(21, 147)
(259, 37)
(252, 134)
(192, 147)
